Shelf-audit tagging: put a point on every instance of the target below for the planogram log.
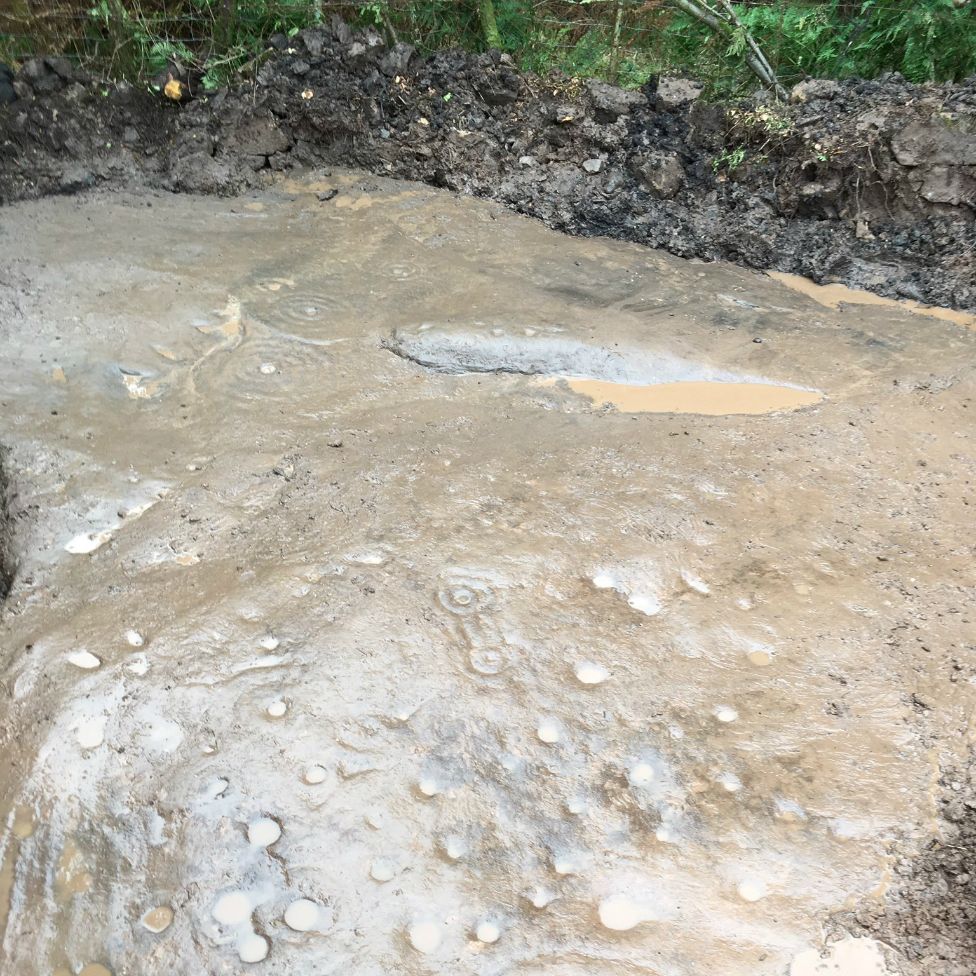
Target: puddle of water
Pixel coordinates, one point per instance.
(713, 399)
(835, 295)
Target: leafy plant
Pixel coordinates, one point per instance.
(628, 40)
(924, 40)
(729, 160)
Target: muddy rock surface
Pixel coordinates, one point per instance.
(367, 617)
(868, 183)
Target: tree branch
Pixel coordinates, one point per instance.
(725, 23)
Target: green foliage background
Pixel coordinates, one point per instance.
(623, 40)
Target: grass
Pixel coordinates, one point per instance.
(924, 40)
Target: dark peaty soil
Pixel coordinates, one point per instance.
(870, 183)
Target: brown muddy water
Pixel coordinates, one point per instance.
(348, 636)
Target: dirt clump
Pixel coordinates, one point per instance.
(869, 183)
(929, 914)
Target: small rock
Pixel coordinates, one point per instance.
(33, 70)
(314, 41)
(300, 68)
(948, 184)
(341, 31)
(610, 102)
(672, 93)
(593, 165)
(661, 173)
(805, 91)
(563, 114)
(40, 78)
(526, 161)
(62, 67)
(327, 195)
(934, 143)
(355, 51)
(502, 89)
(397, 59)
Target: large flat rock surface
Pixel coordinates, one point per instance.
(337, 581)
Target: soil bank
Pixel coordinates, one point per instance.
(867, 183)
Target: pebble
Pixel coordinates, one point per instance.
(548, 731)
(158, 920)
(619, 914)
(641, 774)
(252, 948)
(564, 864)
(84, 660)
(232, 908)
(488, 932)
(382, 871)
(263, 832)
(302, 915)
(647, 605)
(761, 657)
(729, 782)
(455, 847)
(91, 733)
(134, 638)
(277, 709)
(541, 897)
(428, 786)
(425, 937)
(752, 890)
(588, 673)
(695, 582)
(315, 775)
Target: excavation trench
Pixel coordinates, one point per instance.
(324, 658)
(869, 184)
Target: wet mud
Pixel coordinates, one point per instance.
(347, 636)
(870, 184)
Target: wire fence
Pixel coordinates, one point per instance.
(621, 40)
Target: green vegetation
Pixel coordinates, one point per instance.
(623, 40)
(925, 40)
